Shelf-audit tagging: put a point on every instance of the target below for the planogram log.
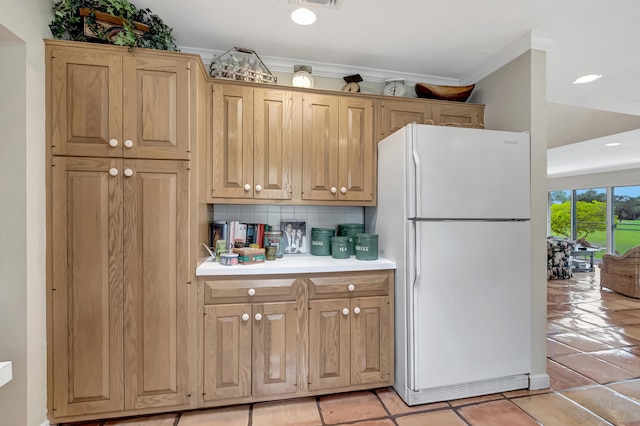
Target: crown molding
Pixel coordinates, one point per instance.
(323, 69)
(534, 39)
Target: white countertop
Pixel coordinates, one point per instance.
(6, 373)
(296, 264)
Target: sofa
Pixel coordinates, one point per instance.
(559, 258)
(621, 273)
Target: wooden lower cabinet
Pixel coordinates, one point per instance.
(267, 338)
(250, 349)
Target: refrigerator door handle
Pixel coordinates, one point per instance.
(418, 173)
(413, 368)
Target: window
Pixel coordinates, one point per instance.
(626, 218)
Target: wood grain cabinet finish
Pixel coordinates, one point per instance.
(114, 104)
(338, 152)
(119, 221)
(252, 143)
(394, 114)
(251, 349)
(120, 299)
(350, 338)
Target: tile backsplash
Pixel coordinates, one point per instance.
(314, 216)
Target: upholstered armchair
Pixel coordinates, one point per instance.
(621, 273)
(559, 258)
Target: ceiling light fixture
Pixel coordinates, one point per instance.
(587, 78)
(612, 144)
(303, 16)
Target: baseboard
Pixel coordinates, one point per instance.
(539, 381)
(45, 423)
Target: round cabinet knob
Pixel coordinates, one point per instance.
(258, 317)
(113, 143)
(113, 171)
(128, 172)
(258, 188)
(345, 311)
(247, 187)
(333, 190)
(245, 317)
(356, 310)
(343, 190)
(128, 143)
(351, 287)
(251, 292)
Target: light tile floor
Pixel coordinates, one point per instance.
(593, 359)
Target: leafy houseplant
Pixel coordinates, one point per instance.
(135, 27)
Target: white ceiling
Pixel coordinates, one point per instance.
(442, 42)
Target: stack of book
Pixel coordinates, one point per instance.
(235, 231)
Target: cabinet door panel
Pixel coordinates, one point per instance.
(87, 296)
(398, 113)
(356, 151)
(329, 337)
(156, 250)
(462, 114)
(156, 100)
(275, 343)
(227, 351)
(370, 341)
(232, 141)
(85, 103)
(273, 144)
(320, 147)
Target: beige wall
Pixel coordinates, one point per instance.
(515, 96)
(23, 25)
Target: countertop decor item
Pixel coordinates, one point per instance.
(237, 64)
(446, 93)
(116, 22)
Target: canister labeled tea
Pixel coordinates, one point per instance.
(351, 230)
(274, 238)
(340, 247)
(366, 246)
(321, 241)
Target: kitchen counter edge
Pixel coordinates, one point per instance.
(295, 264)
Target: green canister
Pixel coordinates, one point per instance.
(321, 241)
(351, 230)
(340, 247)
(366, 246)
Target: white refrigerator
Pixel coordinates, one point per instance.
(453, 213)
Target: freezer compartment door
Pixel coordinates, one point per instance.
(470, 303)
(469, 173)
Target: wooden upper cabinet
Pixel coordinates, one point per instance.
(461, 113)
(338, 149)
(85, 103)
(397, 113)
(117, 104)
(253, 133)
(87, 289)
(357, 154)
(157, 107)
(320, 147)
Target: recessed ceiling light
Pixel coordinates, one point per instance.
(587, 78)
(612, 144)
(303, 16)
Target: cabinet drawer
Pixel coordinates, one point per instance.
(247, 290)
(349, 286)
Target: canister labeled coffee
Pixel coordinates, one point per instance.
(366, 246)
